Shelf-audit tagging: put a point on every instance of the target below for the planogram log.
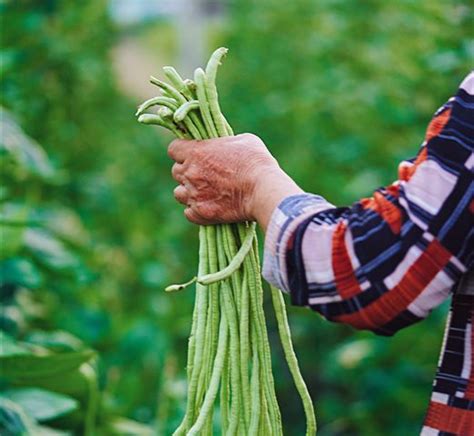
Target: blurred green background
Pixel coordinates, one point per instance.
(340, 92)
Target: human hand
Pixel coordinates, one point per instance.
(228, 179)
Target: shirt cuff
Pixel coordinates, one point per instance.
(291, 212)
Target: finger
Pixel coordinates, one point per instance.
(192, 216)
(177, 172)
(181, 194)
(179, 149)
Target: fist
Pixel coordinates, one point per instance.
(218, 177)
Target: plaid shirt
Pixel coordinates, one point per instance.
(385, 262)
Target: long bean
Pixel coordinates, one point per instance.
(229, 308)
(177, 81)
(211, 90)
(285, 336)
(161, 101)
(185, 89)
(255, 392)
(200, 79)
(216, 375)
(228, 350)
(244, 327)
(193, 129)
(234, 263)
(160, 121)
(181, 113)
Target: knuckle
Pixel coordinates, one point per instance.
(204, 151)
(196, 153)
(175, 171)
(172, 148)
(180, 193)
(206, 211)
(188, 214)
(250, 138)
(191, 172)
(191, 216)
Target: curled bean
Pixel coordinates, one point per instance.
(184, 109)
(157, 101)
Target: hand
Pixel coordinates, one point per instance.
(228, 179)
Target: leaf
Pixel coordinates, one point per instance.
(122, 426)
(12, 233)
(14, 420)
(72, 383)
(32, 367)
(10, 347)
(23, 150)
(21, 272)
(58, 340)
(66, 224)
(50, 250)
(48, 431)
(40, 404)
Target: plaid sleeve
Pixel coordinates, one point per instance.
(388, 260)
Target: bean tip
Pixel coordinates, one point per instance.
(181, 286)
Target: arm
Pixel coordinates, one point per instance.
(381, 264)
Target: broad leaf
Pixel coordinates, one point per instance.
(66, 224)
(34, 367)
(40, 404)
(72, 383)
(14, 420)
(58, 340)
(10, 347)
(26, 153)
(50, 250)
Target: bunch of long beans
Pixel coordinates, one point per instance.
(228, 352)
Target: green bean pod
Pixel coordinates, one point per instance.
(229, 308)
(193, 130)
(215, 379)
(200, 79)
(228, 349)
(285, 336)
(185, 89)
(234, 264)
(211, 90)
(157, 101)
(177, 81)
(159, 121)
(184, 110)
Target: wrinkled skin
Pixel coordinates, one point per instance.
(228, 179)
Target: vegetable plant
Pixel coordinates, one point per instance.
(49, 379)
(229, 360)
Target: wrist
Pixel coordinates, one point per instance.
(271, 188)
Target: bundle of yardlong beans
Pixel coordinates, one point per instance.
(229, 360)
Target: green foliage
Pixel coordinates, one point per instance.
(90, 233)
(348, 89)
(50, 376)
(40, 404)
